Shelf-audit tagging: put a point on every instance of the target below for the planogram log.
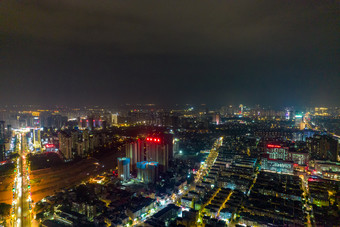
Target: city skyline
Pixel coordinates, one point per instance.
(169, 113)
(121, 52)
(169, 167)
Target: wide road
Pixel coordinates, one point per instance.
(21, 200)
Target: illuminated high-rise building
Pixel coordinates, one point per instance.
(277, 152)
(74, 144)
(324, 148)
(114, 119)
(321, 111)
(36, 121)
(155, 148)
(86, 141)
(2, 140)
(216, 118)
(124, 168)
(241, 109)
(82, 123)
(176, 146)
(298, 120)
(65, 145)
(104, 125)
(9, 131)
(36, 138)
(147, 171)
(2, 130)
(90, 122)
(133, 151)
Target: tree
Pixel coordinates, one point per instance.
(7, 169)
(5, 209)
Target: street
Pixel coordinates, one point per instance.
(21, 205)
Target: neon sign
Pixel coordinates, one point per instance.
(273, 146)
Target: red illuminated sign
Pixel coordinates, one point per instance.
(3, 162)
(153, 139)
(273, 146)
(49, 145)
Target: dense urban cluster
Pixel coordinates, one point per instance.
(185, 166)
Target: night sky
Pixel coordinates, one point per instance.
(80, 52)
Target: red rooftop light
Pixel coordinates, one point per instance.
(273, 146)
(153, 139)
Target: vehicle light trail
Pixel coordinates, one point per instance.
(21, 205)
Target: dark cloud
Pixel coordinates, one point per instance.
(76, 51)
